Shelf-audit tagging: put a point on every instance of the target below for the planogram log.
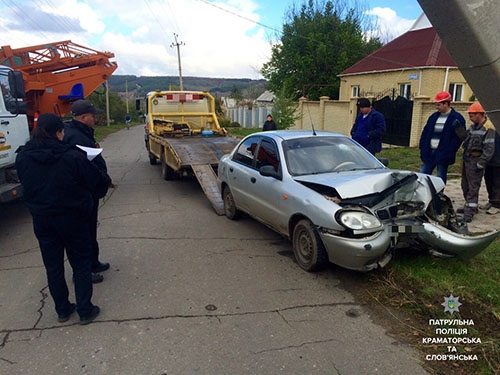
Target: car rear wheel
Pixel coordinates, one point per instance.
(230, 209)
(308, 248)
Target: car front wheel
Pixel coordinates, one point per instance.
(230, 209)
(308, 248)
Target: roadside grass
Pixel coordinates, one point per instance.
(102, 131)
(413, 289)
(239, 132)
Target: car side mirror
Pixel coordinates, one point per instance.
(384, 161)
(269, 171)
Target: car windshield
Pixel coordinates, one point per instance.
(315, 155)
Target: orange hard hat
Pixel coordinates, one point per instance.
(443, 96)
(476, 108)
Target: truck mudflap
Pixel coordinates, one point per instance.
(450, 243)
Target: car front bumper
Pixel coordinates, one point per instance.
(368, 253)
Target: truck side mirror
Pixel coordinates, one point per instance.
(16, 83)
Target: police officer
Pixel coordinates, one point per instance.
(80, 131)
(59, 188)
(479, 146)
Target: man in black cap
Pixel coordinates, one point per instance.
(80, 131)
(368, 127)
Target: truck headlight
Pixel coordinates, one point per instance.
(357, 220)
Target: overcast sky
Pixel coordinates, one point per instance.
(223, 38)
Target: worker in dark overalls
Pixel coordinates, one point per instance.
(479, 146)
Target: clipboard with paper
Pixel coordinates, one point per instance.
(91, 152)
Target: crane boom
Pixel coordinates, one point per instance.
(55, 74)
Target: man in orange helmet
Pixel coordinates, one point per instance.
(479, 146)
(442, 136)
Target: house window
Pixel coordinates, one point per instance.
(405, 90)
(354, 91)
(457, 91)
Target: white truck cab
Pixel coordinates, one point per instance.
(14, 131)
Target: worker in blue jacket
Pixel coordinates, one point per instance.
(368, 127)
(60, 184)
(441, 138)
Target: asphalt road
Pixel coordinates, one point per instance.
(188, 292)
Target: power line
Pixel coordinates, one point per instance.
(240, 16)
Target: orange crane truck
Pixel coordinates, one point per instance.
(56, 74)
(40, 79)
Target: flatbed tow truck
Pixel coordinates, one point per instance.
(183, 133)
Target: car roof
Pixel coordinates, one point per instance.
(294, 134)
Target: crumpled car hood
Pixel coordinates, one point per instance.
(359, 183)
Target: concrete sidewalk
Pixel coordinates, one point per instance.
(482, 222)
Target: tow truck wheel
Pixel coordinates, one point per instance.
(152, 159)
(308, 248)
(167, 172)
(230, 209)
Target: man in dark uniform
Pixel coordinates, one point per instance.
(59, 185)
(80, 131)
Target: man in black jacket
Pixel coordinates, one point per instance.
(269, 124)
(80, 131)
(59, 189)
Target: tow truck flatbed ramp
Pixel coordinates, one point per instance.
(210, 185)
(202, 154)
(201, 150)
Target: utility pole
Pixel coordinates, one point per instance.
(178, 44)
(107, 104)
(126, 93)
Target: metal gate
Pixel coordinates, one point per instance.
(398, 114)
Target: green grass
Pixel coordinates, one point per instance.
(241, 132)
(418, 284)
(409, 158)
(102, 131)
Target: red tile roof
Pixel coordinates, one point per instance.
(413, 49)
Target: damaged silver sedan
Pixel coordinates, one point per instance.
(336, 202)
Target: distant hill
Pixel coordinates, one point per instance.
(140, 86)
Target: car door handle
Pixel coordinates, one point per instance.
(5, 122)
(231, 169)
(253, 179)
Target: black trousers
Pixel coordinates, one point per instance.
(55, 234)
(93, 234)
(492, 181)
